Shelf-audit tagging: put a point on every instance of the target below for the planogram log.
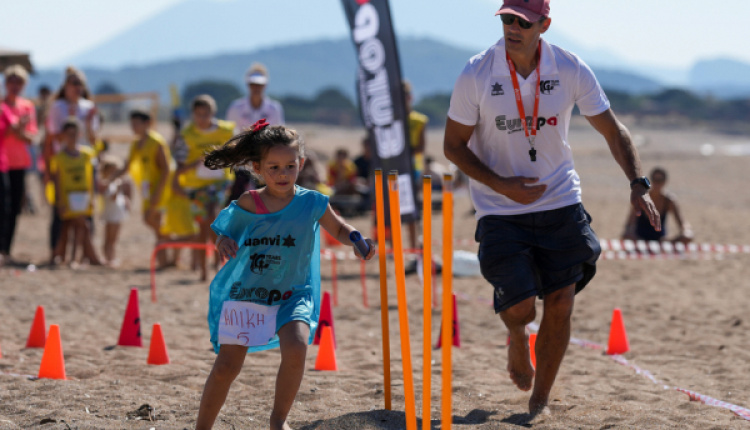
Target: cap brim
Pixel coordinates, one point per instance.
(258, 80)
(519, 11)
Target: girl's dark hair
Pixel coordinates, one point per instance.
(71, 122)
(140, 115)
(251, 146)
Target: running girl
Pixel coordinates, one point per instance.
(271, 237)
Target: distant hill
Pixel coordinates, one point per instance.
(722, 78)
(304, 69)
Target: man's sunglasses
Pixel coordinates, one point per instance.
(509, 19)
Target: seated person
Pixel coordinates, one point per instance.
(342, 173)
(639, 228)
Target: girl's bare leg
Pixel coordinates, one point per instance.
(58, 256)
(85, 239)
(293, 338)
(111, 233)
(226, 368)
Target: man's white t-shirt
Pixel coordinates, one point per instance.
(244, 115)
(483, 97)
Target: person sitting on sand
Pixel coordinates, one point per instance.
(271, 239)
(639, 228)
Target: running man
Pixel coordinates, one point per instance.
(507, 129)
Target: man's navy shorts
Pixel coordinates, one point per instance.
(536, 254)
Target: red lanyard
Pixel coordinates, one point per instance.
(519, 101)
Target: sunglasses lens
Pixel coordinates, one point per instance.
(509, 19)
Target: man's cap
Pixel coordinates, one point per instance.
(257, 74)
(530, 10)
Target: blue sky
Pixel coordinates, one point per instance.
(668, 33)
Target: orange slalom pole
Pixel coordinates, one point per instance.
(427, 301)
(403, 312)
(380, 219)
(447, 334)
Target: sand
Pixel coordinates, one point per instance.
(685, 319)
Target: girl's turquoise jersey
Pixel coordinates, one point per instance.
(278, 262)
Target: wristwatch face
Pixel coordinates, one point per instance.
(643, 181)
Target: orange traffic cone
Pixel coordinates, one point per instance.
(326, 359)
(157, 352)
(618, 338)
(53, 362)
(325, 320)
(130, 332)
(38, 333)
(532, 348)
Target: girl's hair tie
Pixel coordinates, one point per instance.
(260, 125)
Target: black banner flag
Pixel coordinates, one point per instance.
(381, 95)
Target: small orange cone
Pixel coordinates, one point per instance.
(1, 353)
(532, 348)
(325, 320)
(38, 333)
(618, 338)
(326, 359)
(53, 362)
(157, 352)
(130, 332)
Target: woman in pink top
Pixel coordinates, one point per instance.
(17, 129)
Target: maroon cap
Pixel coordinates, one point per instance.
(530, 10)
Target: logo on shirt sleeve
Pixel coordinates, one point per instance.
(497, 89)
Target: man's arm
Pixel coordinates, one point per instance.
(622, 149)
(456, 149)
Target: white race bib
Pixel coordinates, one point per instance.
(78, 201)
(145, 190)
(247, 323)
(204, 172)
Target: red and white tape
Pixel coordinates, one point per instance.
(616, 249)
(694, 396)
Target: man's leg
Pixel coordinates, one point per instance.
(519, 361)
(551, 344)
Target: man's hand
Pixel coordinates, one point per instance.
(517, 188)
(642, 202)
(151, 218)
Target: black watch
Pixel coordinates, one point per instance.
(643, 181)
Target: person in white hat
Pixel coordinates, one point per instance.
(247, 111)
(507, 129)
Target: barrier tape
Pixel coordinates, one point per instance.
(616, 249)
(741, 412)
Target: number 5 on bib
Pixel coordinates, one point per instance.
(246, 323)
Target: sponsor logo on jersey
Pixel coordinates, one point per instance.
(497, 89)
(257, 294)
(546, 87)
(270, 241)
(513, 125)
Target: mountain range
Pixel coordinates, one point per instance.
(217, 40)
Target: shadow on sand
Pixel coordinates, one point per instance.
(389, 420)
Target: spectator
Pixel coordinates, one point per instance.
(247, 111)
(639, 227)
(207, 189)
(417, 125)
(72, 100)
(17, 129)
(342, 173)
(75, 181)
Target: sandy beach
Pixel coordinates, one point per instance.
(685, 319)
